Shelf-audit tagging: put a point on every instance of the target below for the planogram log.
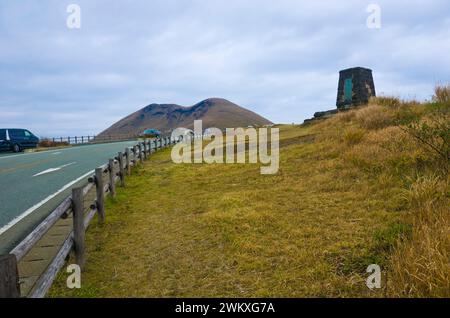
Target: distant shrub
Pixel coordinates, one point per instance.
(48, 143)
(433, 134)
(442, 94)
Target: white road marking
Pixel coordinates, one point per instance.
(47, 151)
(53, 169)
(41, 203)
(38, 205)
(34, 153)
(56, 153)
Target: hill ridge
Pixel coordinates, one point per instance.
(214, 111)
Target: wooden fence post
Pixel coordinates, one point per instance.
(149, 149)
(112, 184)
(135, 155)
(78, 225)
(127, 154)
(100, 195)
(121, 170)
(141, 155)
(9, 277)
(145, 150)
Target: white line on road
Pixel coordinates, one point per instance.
(53, 169)
(34, 153)
(47, 151)
(38, 205)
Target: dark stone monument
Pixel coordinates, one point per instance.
(355, 87)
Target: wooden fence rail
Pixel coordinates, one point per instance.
(112, 172)
(76, 140)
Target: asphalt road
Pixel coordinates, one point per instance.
(33, 184)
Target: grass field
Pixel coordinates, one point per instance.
(353, 190)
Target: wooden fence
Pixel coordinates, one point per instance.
(90, 139)
(81, 205)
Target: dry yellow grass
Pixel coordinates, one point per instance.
(226, 230)
(374, 117)
(420, 266)
(352, 190)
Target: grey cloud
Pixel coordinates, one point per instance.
(278, 58)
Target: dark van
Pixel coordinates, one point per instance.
(17, 139)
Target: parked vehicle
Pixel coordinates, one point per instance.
(151, 133)
(17, 139)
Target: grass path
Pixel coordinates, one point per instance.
(228, 231)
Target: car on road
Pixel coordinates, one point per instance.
(17, 139)
(150, 133)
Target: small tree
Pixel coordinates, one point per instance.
(433, 133)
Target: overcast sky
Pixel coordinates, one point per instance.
(278, 58)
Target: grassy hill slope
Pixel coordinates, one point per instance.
(353, 190)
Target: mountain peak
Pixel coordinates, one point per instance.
(216, 100)
(214, 112)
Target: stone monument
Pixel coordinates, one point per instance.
(355, 87)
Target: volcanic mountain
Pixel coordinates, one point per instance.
(215, 112)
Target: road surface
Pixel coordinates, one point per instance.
(33, 184)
